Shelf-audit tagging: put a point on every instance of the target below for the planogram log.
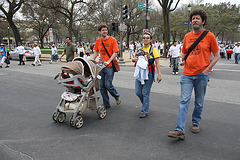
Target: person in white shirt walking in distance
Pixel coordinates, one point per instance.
(174, 52)
(54, 54)
(80, 51)
(37, 54)
(131, 49)
(236, 51)
(21, 53)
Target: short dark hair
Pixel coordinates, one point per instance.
(147, 33)
(68, 38)
(201, 12)
(102, 26)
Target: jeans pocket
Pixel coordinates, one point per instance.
(206, 76)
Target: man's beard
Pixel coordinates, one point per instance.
(197, 27)
(104, 35)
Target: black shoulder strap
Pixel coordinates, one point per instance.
(195, 43)
(106, 50)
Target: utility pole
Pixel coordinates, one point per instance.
(121, 60)
(8, 38)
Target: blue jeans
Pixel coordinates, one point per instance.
(199, 83)
(237, 57)
(131, 53)
(107, 75)
(143, 92)
(54, 57)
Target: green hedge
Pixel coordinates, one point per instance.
(48, 51)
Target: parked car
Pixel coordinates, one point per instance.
(28, 53)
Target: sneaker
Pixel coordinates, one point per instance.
(118, 100)
(33, 64)
(142, 115)
(195, 128)
(0, 66)
(176, 134)
(39, 64)
(7, 67)
(176, 72)
(173, 73)
(50, 62)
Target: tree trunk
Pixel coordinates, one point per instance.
(166, 30)
(70, 28)
(128, 35)
(15, 30)
(222, 37)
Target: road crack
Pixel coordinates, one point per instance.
(23, 154)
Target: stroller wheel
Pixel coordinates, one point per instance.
(61, 117)
(78, 122)
(71, 121)
(54, 116)
(102, 112)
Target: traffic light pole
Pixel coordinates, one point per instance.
(121, 60)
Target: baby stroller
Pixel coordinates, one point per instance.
(80, 77)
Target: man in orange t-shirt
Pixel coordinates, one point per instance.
(107, 73)
(195, 72)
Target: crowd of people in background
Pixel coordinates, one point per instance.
(230, 51)
(84, 49)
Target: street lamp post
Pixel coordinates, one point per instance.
(189, 10)
(8, 37)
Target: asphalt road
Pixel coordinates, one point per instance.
(29, 95)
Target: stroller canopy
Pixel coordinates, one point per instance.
(81, 66)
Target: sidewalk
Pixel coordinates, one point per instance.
(126, 56)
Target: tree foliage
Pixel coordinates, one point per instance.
(167, 7)
(40, 19)
(223, 21)
(9, 9)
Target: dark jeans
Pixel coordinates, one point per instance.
(222, 55)
(81, 54)
(21, 59)
(229, 56)
(237, 57)
(175, 64)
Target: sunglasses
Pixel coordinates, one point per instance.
(146, 38)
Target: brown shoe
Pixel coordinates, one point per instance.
(142, 115)
(195, 128)
(176, 134)
(118, 100)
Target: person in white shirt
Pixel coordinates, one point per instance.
(174, 51)
(80, 50)
(161, 48)
(236, 51)
(21, 53)
(131, 48)
(138, 45)
(37, 54)
(157, 45)
(54, 54)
